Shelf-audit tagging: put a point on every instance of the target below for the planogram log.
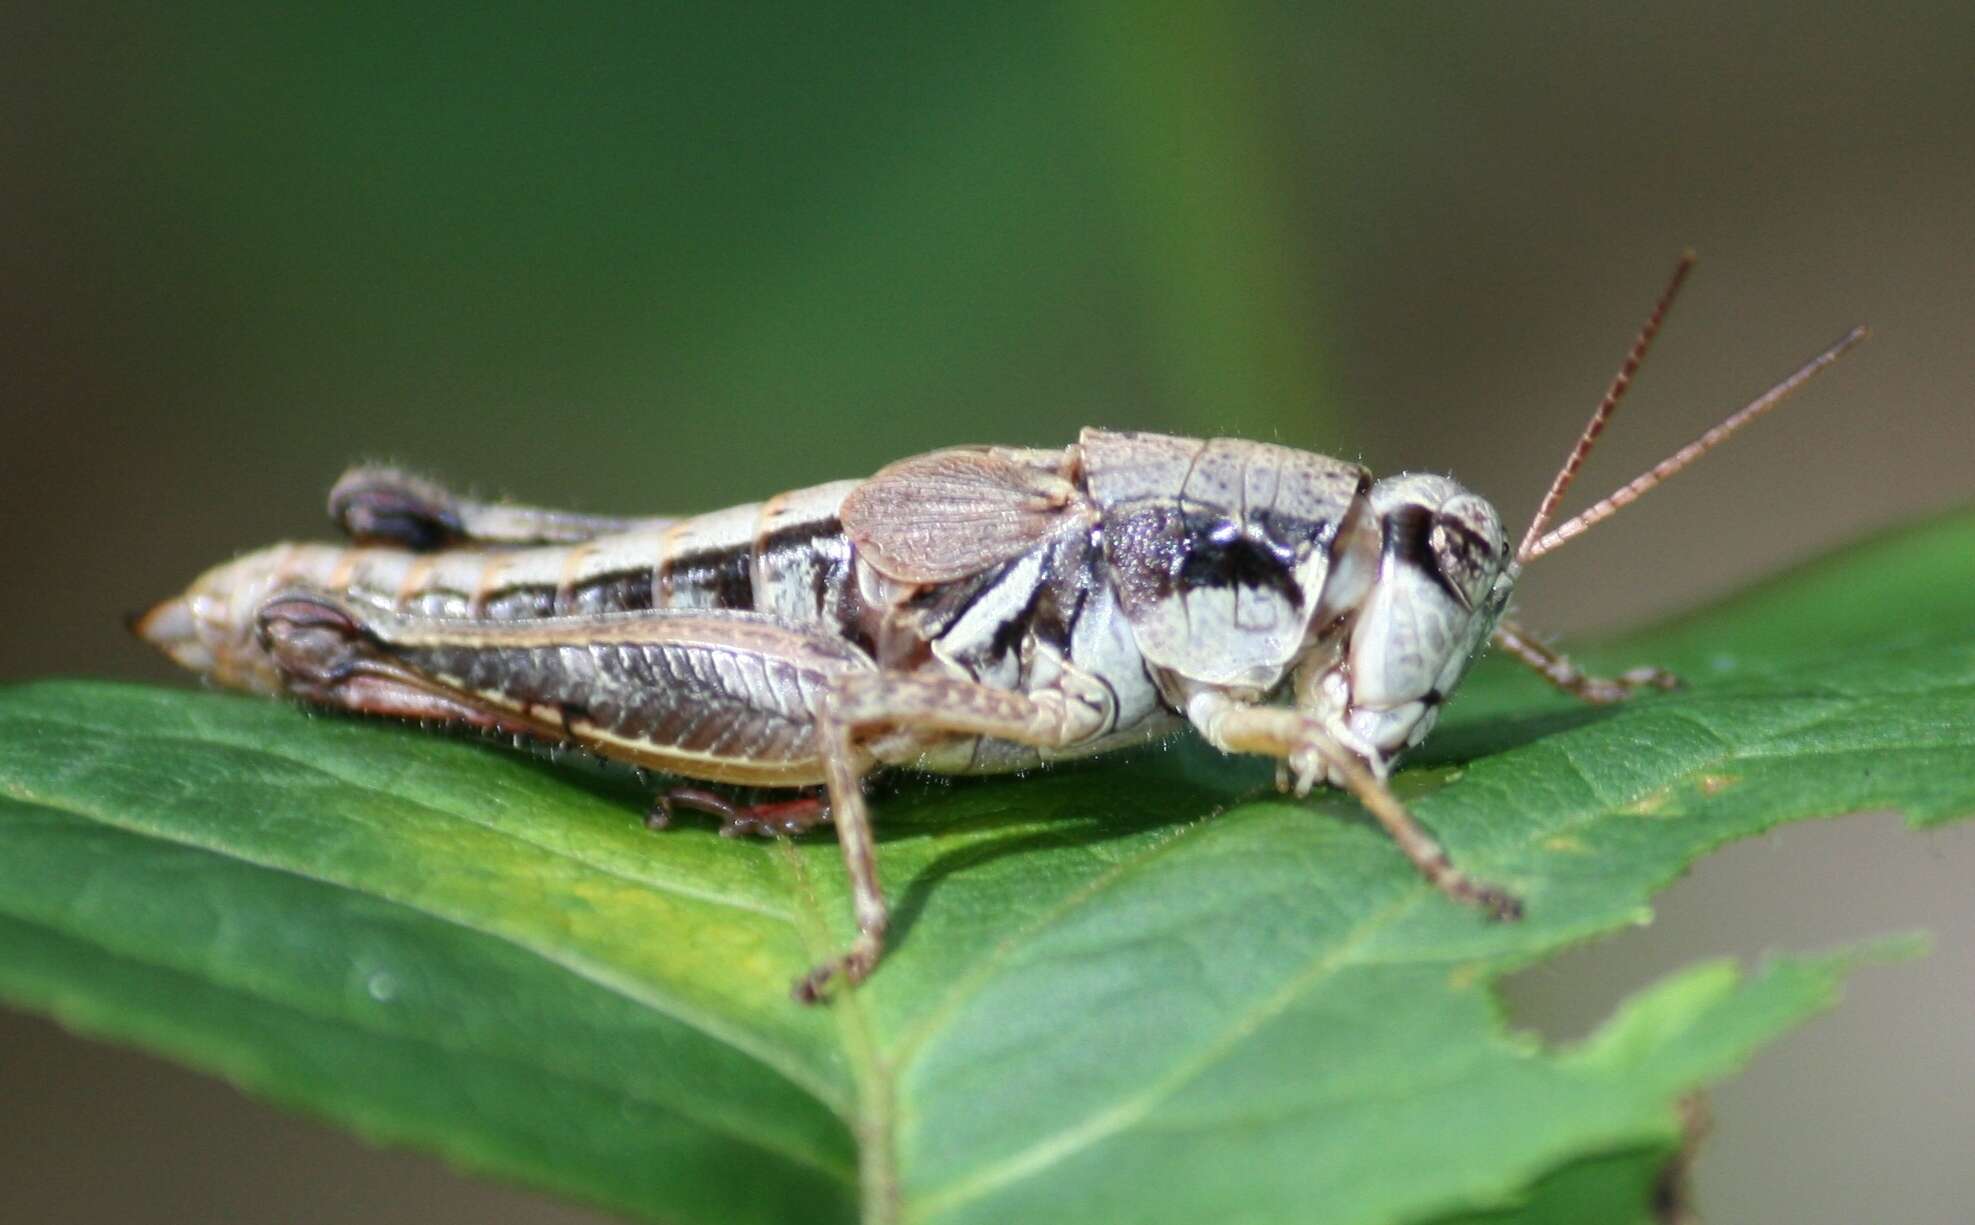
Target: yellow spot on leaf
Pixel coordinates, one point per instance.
(1715, 784)
(1650, 805)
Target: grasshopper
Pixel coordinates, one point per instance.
(976, 610)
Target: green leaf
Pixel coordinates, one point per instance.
(1147, 989)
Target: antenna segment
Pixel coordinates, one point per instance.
(1644, 483)
(1621, 382)
(1537, 540)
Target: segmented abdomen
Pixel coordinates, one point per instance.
(786, 557)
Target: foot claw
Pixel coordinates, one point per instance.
(809, 988)
(1603, 690)
(1493, 901)
(1650, 678)
(1498, 904)
(1306, 767)
(852, 967)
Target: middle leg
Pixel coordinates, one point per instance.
(897, 713)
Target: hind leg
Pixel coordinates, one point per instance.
(326, 658)
(769, 820)
(376, 505)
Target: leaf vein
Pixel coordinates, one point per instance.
(618, 984)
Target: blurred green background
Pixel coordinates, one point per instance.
(641, 258)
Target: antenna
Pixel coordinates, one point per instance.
(1639, 486)
(1606, 407)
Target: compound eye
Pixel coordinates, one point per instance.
(1444, 549)
(1466, 561)
(1467, 544)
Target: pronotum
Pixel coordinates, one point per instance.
(973, 610)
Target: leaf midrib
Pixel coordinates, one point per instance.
(1097, 1125)
(874, 1128)
(874, 1113)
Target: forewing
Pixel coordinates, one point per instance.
(949, 514)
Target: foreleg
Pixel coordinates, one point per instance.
(1559, 671)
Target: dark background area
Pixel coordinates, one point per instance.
(645, 259)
